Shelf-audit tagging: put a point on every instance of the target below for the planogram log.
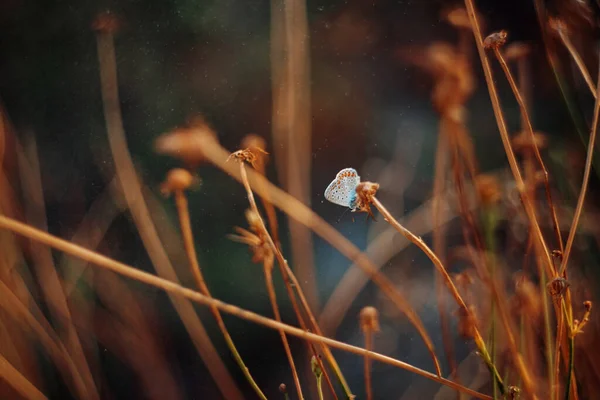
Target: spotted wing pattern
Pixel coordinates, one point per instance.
(342, 190)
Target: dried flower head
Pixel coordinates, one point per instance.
(365, 192)
(495, 40)
(514, 392)
(316, 368)
(187, 143)
(178, 179)
(369, 319)
(517, 50)
(255, 238)
(458, 18)
(558, 26)
(558, 287)
(256, 144)
(557, 254)
(488, 189)
(251, 156)
(524, 143)
(106, 22)
(579, 325)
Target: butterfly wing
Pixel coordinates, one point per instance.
(342, 190)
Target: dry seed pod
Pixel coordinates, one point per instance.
(558, 286)
(495, 40)
(186, 143)
(369, 319)
(178, 179)
(488, 189)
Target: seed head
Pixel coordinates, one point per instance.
(369, 319)
(495, 40)
(488, 189)
(365, 192)
(106, 22)
(187, 143)
(516, 51)
(558, 287)
(178, 179)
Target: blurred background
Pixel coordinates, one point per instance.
(367, 104)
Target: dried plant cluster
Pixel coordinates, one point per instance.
(528, 323)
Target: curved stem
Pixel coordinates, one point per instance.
(479, 342)
(171, 287)
(188, 241)
(536, 150)
(268, 269)
(368, 346)
(584, 184)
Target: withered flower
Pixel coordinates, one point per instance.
(488, 189)
(255, 239)
(178, 179)
(248, 155)
(495, 40)
(106, 22)
(187, 143)
(558, 287)
(369, 319)
(365, 191)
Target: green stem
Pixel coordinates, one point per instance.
(320, 388)
(489, 218)
(571, 365)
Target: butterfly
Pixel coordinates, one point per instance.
(342, 190)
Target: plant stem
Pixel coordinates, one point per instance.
(171, 287)
(320, 387)
(536, 150)
(479, 342)
(571, 366)
(584, 184)
(559, 333)
(512, 161)
(134, 197)
(190, 250)
(368, 347)
(287, 273)
(578, 61)
(268, 270)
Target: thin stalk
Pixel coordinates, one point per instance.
(584, 184)
(578, 61)
(479, 342)
(268, 270)
(548, 328)
(288, 275)
(368, 347)
(171, 287)
(536, 150)
(439, 243)
(571, 366)
(190, 250)
(217, 155)
(490, 226)
(290, 282)
(559, 337)
(385, 285)
(134, 197)
(18, 381)
(512, 161)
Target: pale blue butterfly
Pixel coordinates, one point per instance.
(342, 190)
